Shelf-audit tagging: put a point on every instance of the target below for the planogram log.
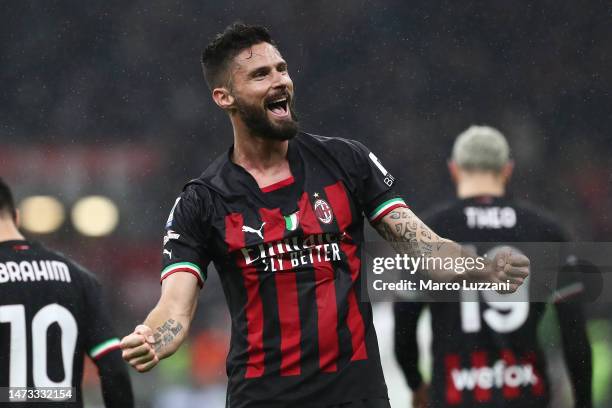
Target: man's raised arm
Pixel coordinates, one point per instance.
(166, 326)
(410, 236)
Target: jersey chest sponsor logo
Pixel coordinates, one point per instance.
(323, 210)
(499, 375)
(490, 217)
(292, 253)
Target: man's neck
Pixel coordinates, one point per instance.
(8, 230)
(255, 153)
(480, 186)
(265, 159)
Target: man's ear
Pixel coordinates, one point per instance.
(223, 98)
(453, 170)
(17, 218)
(507, 171)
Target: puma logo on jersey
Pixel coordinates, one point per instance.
(169, 253)
(246, 228)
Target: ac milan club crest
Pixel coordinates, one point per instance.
(323, 211)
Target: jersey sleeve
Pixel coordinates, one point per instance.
(405, 335)
(185, 246)
(100, 337)
(372, 183)
(569, 284)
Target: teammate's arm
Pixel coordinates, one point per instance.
(166, 326)
(576, 350)
(568, 301)
(410, 236)
(103, 346)
(406, 348)
(115, 381)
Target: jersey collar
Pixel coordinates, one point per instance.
(245, 179)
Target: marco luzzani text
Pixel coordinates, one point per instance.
(411, 264)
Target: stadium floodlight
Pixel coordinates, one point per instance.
(41, 214)
(95, 216)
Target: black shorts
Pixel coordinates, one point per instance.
(365, 403)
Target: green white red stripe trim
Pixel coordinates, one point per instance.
(105, 347)
(184, 267)
(385, 208)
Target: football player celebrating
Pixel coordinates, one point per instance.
(281, 216)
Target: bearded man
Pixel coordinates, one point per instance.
(281, 217)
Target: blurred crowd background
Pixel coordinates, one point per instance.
(107, 99)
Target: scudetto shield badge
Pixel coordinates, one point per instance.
(323, 211)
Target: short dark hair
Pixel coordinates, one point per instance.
(7, 205)
(226, 45)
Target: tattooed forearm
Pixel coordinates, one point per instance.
(166, 333)
(407, 234)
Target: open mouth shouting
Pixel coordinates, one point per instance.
(278, 106)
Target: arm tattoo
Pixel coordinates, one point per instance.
(407, 234)
(166, 333)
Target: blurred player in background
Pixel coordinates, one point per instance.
(486, 354)
(51, 315)
(281, 216)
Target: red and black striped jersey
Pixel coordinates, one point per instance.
(288, 257)
(485, 351)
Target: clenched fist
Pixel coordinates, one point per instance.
(139, 349)
(506, 266)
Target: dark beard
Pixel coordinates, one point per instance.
(257, 121)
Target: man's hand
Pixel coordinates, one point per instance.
(139, 349)
(506, 266)
(420, 396)
(166, 326)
